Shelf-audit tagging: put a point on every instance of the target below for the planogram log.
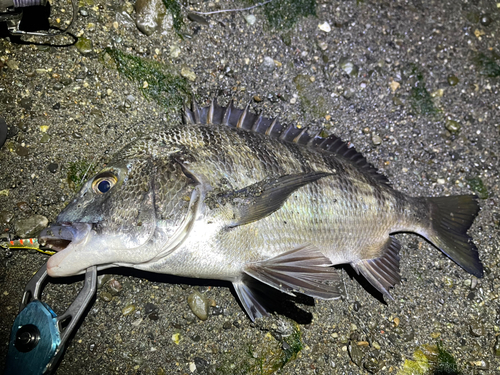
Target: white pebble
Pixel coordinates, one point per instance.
(325, 27)
(250, 18)
(192, 366)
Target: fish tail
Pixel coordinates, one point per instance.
(450, 218)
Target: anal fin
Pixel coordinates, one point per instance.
(382, 272)
(304, 270)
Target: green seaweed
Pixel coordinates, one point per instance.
(430, 360)
(293, 346)
(78, 172)
(445, 363)
(284, 14)
(175, 10)
(156, 81)
(263, 358)
(477, 185)
(487, 65)
(420, 98)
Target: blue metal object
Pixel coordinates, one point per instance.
(35, 326)
(38, 336)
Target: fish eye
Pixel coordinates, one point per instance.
(104, 182)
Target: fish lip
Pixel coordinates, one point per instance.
(59, 236)
(68, 239)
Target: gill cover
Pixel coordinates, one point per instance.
(131, 211)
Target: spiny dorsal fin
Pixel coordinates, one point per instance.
(244, 119)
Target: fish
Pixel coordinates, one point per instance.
(235, 196)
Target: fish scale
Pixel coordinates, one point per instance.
(235, 196)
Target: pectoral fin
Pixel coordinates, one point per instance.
(259, 200)
(382, 272)
(304, 269)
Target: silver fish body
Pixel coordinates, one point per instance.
(233, 196)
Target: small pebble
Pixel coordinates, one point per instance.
(349, 93)
(250, 18)
(192, 366)
(476, 329)
(486, 20)
(52, 167)
(397, 101)
(198, 19)
(149, 308)
(452, 126)
(84, 46)
(376, 139)
(268, 64)
(188, 73)
(175, 51)
(176, 338)
(26, 103)
(323, 45)
(201, 364)
(356, 306)
(115, 286)
(106, 296)
(129, 309)
(22, 151)
(23, 206)
(355, 353)
(12, 64)
(199, 305)
(147, 17)
(31, 227)
(371, 365)
(349, 67)
(196, 338)
(325, 26)
(453, 80)
(5, 217)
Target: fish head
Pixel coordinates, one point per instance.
(123, 216)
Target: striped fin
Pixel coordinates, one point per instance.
(244, 119)
(303, 269)
(382, 272)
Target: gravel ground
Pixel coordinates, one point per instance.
(411, 83)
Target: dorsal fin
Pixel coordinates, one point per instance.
(244, 119)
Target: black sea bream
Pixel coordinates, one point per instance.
(234, 196)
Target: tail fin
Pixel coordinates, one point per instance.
(450, 218)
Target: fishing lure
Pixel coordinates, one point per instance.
(27, 244)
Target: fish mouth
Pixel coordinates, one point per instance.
(67, 239)
(59, 236)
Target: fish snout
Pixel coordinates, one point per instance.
(58, 236)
